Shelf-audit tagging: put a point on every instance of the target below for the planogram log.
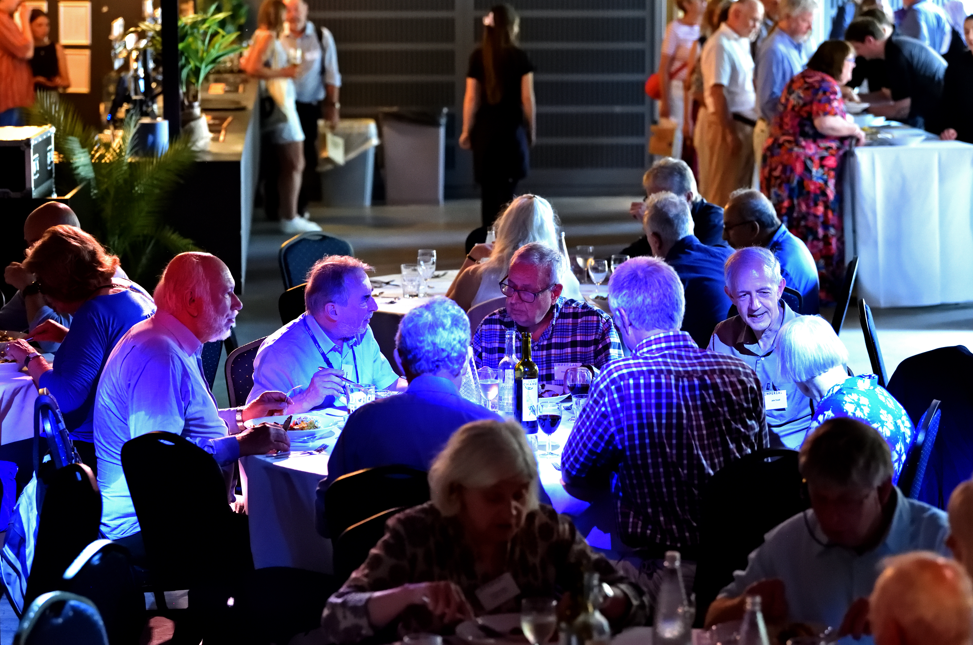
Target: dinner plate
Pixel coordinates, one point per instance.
(323, 419)
(503, 623)
(856, 108)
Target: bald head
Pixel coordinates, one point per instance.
(960, 511)
(47, 216)
(922, 598)
(745, 17)
(197, 289)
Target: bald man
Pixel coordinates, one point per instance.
(922, 599)
(960, 510)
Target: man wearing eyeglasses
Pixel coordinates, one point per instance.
(565, 333)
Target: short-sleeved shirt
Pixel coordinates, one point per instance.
(780, 58)
(514, 65)
(678, 45)
(926, 22)
(916, 72)
(319, 63)
(808, 95)
(726, 61)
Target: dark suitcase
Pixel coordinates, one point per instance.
(27, 161)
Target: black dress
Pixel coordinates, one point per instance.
(957, 104)
(501, 155)
(44, 64)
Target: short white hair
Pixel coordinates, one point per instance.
(748, 257)
(788, 8)
(808, 347)
(184, 275)
(479, 455)
(650, 292)
(668, 216)
(434, 336)
(541, 257)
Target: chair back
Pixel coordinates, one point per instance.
(290, 305)
(841, 308)
(917, 458)
(211, 361)
(239, 372)
(359, 495)
(60, 617)
(385, 326)
(103, 573)
(739, 504)
(298, 254)
(69, 519)
(49, 424)
(477, 313)
(352, 546)
(871, 342)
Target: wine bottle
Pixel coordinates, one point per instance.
(525, 387)
(507, 367)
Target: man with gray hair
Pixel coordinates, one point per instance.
(751, 220)
(820, 566)
(665, 419)
(669, 228)
(315, 356)
(565, 333)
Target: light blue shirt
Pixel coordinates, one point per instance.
(821, 582)
(798, 268)
(289, 358)
(927, 22)
(153, 381)
(780, 59)
(309, 82)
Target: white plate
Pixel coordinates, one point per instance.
(323, 419)
(856, 108)
(503, 623)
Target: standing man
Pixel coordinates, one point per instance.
(724, 135)
(16, 50)
(772, 13)
(927, 22)
(317, 85)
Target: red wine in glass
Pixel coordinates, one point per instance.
(548, 421)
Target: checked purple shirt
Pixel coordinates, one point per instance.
(578, 334)
(666, 419)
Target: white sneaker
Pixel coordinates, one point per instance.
(298, 225)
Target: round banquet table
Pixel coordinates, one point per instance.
(17, 396)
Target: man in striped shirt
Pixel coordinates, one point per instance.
(665, 419)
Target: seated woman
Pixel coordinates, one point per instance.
(77, 277)
(529, 218)
(813, 357)
(483, 522)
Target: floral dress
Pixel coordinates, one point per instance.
(862, 398)
(800, 169)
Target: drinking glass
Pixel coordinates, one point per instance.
(359, 394)
(618, 260)
(578, 382)
(598, 269)
(427, 266)
(548, 420)
(411, 280)
(584, 255)
(538, 619)
(490, 384)
(491, 235)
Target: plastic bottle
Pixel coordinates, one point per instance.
(752, 630)
(671, 627)
(506, 369)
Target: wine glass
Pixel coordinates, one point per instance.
(427, 264)
(617, 260)
(538, 619)
(578, 382)
(598, 270)
(490, 384)
(583, 254)
(548, 420)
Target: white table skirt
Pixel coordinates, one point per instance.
(908, 214)
(17, 396)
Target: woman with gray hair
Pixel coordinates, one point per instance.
(483, 523)
(812, 356)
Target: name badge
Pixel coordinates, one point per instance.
(495, 593)
(775, 399)
(560, 369)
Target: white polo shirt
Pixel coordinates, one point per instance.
(726, 61)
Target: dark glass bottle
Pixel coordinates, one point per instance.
(525, 387)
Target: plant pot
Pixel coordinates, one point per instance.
(194, 125)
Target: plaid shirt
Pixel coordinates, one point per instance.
(666, 419)
(578, 334)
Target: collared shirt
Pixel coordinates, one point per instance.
(153, 381)
(17, 88)
(798, 268)
(309, 82)
(862, 398)
(927, 22)
(13, 317)
(734, 338)
(578, 335)
(914, 71)
(842, 18)
(289, 358)
(726, 61)
(700, 269)
(780, 58)
(821, 582)
(666, 419)
(707, 227)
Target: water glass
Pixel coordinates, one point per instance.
(490, 384)
(411, 280)
(359, 394)
(618, 259)
(584, 254)
(598, 270)
(578, 382)
(538, 619)
(491, 235)
(427, 266)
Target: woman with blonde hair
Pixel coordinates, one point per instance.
(529, 218)
(483, 522)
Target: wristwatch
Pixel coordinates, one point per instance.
(335, 104)
(29, 358)
(32, 289)
(239, 420)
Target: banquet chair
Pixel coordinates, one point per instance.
(477, 313)
(739, 504)
(356, 496)
(917, 457)
(60, 617)
(792, 297)
(211, 361)
(352, 546)
(298, 254)
(290, 305)
(103, 573)
(239, 372)
(841, 307)
(871, 342)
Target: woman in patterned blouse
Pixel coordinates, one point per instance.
(484, 522)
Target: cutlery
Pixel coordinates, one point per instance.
(441, 274)
(489, 631)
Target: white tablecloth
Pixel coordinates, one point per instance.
(908, 213)
(17, 396)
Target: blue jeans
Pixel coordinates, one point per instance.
(12, 116)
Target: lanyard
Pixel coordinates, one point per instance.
(354, 359)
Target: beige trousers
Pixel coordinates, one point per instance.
(721, 171)
(760, 135)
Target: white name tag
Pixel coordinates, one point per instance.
(775, 399)
(560, 369)
(495, 593)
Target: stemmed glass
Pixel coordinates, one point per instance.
(584, 255)
(598, 270)
(578, 382)
(618, 260)
(538, 619)
(548, 420)
(490, 384)
(427, 265)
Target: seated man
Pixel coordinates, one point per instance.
(413, 427)
(675, 176)
(669, 228)
(749, 219)
(665, 419)
(565, 332)
(754, 284)
(921, 599)
(153, 381)
(313, 357)
(960, 510)
(820, 566)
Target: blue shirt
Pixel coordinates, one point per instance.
(315, 54)
(821, 582)
(700, 269)
(779, 59)
(927, 22)
(798, 268)
(153, 381)
(842, 18)
(862, 398)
